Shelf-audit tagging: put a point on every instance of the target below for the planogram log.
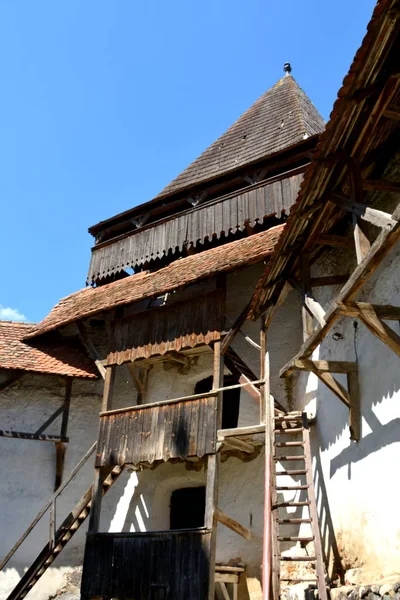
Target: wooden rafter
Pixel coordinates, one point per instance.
(392, 112)
(385, 241)
(376, 217)
(90, 349)
(341, 241)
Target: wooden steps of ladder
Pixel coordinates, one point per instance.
(296, 425)
(63, 534)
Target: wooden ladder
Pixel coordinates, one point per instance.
(58, 537)
(291, 442)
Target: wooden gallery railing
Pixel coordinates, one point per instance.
(179, 428)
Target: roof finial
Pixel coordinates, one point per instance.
(287, 68)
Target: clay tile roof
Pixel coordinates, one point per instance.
(51, 355)
(280, 118)
(90, 301)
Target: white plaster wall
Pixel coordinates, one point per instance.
(360, 479)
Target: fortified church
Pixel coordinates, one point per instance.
(216, 415)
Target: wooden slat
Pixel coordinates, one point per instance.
(383, 311)
(334, 240)
(223, 518)
(328, 366)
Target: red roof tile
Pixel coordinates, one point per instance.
(89, 301)
(53, 355)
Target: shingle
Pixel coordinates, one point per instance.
(53, 355)
(280, 118)
(90, 301)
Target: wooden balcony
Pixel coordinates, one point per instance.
(158, 565)
(179, 428)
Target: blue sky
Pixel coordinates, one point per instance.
(104, 101)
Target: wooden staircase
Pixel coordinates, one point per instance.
(59, 537)
(291, 441)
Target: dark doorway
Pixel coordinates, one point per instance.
(230, 400)
(187, 509)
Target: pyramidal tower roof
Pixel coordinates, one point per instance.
(280, 118)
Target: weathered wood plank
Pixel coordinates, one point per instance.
(223, 518)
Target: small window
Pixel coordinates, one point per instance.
(230, 400)
(187, 509)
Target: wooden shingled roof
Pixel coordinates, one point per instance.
(282, 117)
(53, 355)
(202, 266)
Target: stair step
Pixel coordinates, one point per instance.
(298, 558)
(294, 538)
(283, 504)
(298, 580)
(287, 488)
(286, 444)
(284, 431)
(298, 457)
(293, 521)
(298, 472)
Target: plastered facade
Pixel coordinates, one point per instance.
(357, 482)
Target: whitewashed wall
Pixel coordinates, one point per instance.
(359, 480)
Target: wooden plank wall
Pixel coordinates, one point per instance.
(170, 565)
(186, 324)
(224, 215)
(148, 434)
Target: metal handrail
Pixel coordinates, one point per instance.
(50, 503)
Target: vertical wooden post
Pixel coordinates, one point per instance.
(355, 407)
(269, 574)
(213, 460)
(60, 446)
(263, 349)
(100, 473)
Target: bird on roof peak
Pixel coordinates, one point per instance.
(287, 67)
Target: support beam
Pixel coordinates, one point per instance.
(230, 336)
(361, 241)
(355, 407)
(236, 444)
(380, 185)
(376, 326)
(381, 247)
(223, 518)
(60, 446)
(31, 436)
(90, 349)
(325, 366)
(371, 215)
(383, 311)
(334, 386)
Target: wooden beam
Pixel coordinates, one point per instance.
(230, 336)
(383, 244)
(341, 241)
(60, 446)
(380, 185)
(392, 112)
(361, 241)
(90, 349)
(31, 436)
(60, 459)
(50, 420)
(371, 215)
(334, 386)
(250, 430)
(355, 406)
(315, 309)
(383, 311)
(223, 518)
(237, 444)
(329, 280)
(325, 366)
(378, 327)
(108, 389)
(12, 378)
